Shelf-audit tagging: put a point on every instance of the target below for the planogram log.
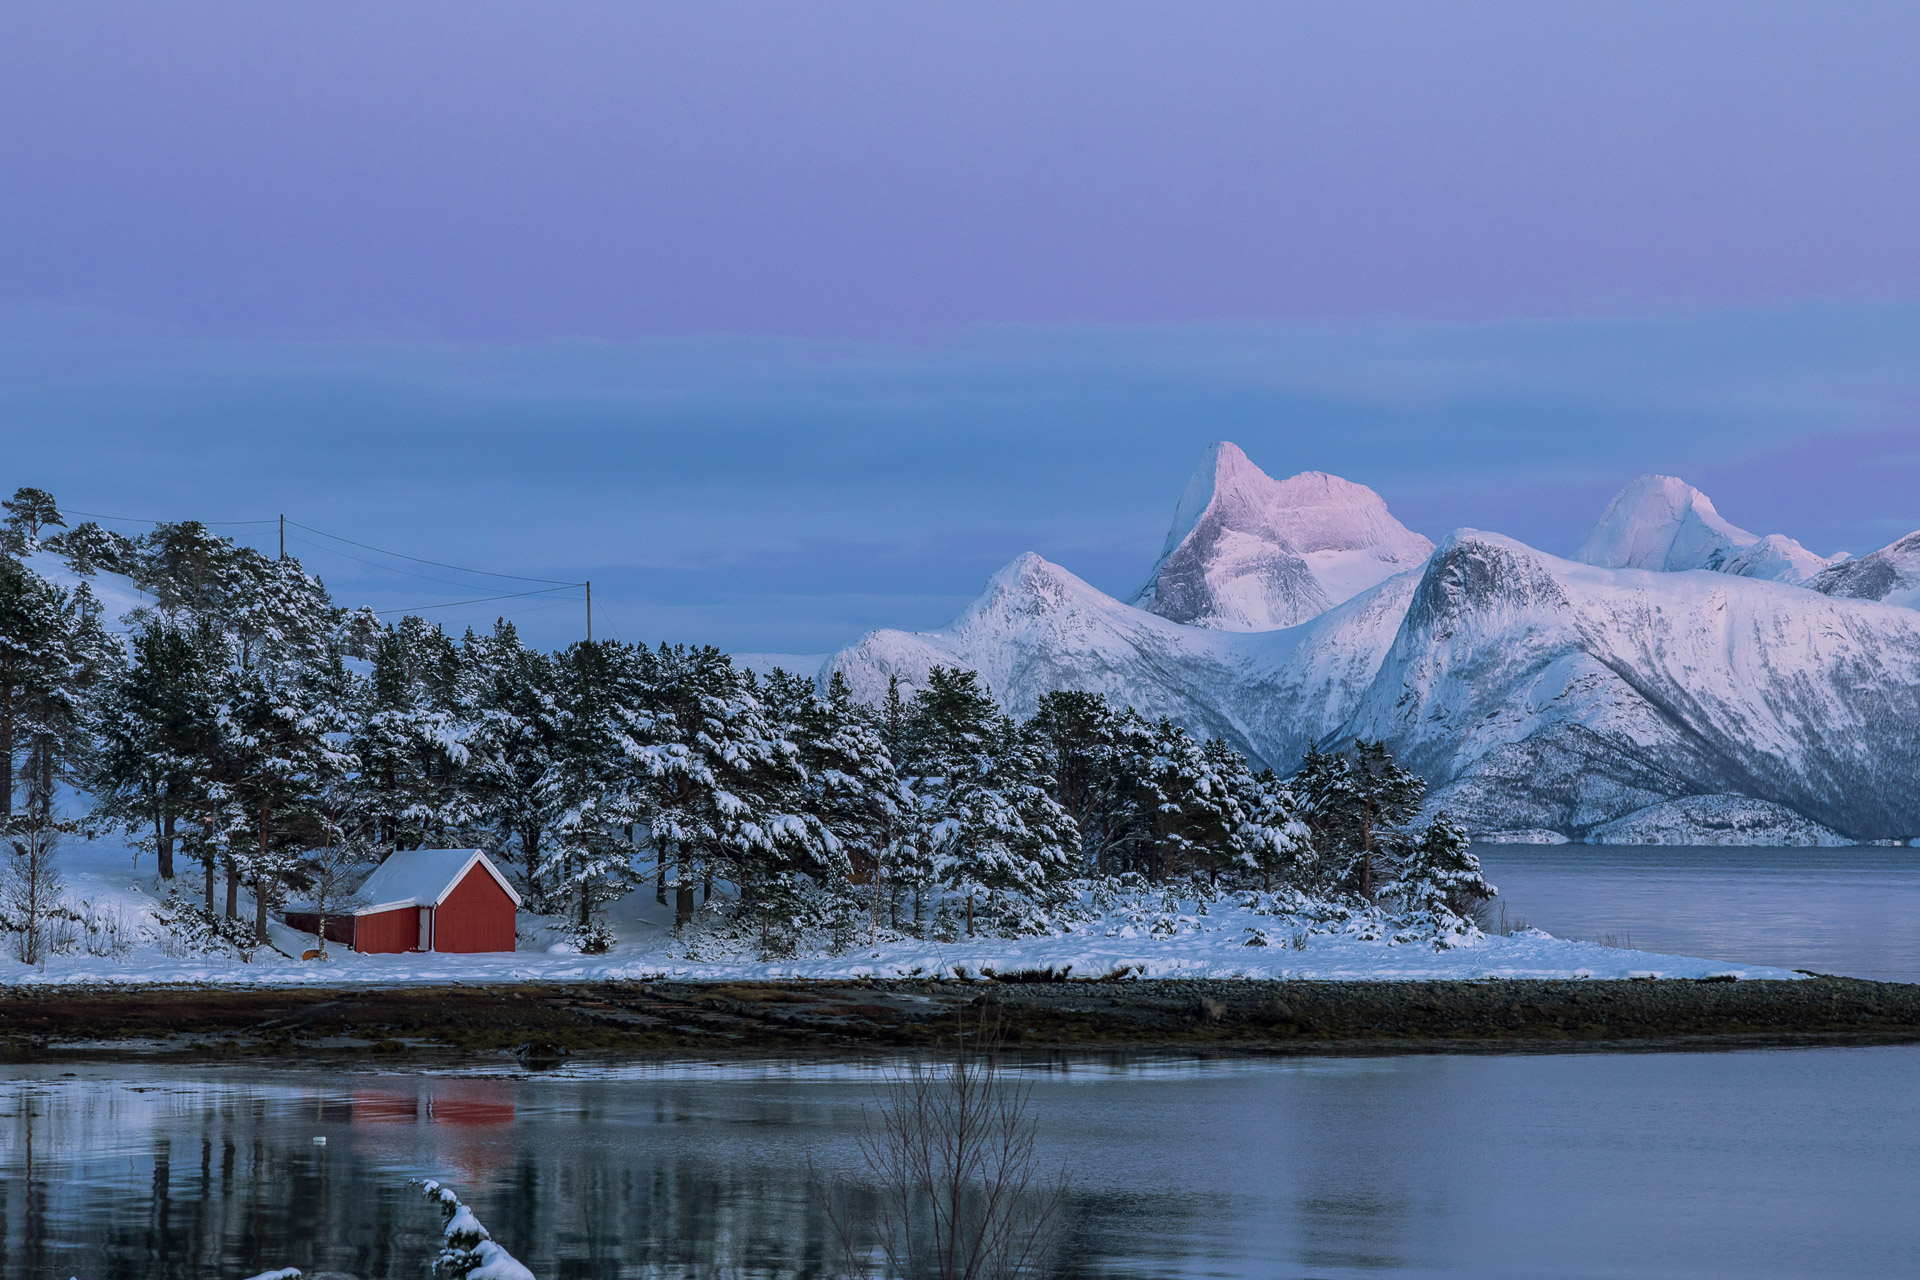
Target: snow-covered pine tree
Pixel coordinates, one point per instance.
(850, 783)
(1012, 839)
(88, 549)
(721, 798)
(410, 741)
(1093, 755)
(151, 721)
(1438, 881)
(1268, 840)
(590, 857)
(997, 828)
(54, 654)
(285, 719)
(1191, 811)
(1358, 804)
(516, 765)
(29, 513)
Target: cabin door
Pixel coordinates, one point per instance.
(426, 928)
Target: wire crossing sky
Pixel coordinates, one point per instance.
(781, 322)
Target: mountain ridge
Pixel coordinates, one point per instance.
(1543, 698)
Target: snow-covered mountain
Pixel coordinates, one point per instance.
(1247, 552)
(1890, 575)
(1665, 524)
(1537, 695)
(1536, 692)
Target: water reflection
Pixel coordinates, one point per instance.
(1754, 1164)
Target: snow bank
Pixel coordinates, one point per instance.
(1147, 937)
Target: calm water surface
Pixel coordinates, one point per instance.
(1787, 1163)
(1845, 911)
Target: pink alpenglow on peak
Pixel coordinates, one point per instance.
(1664, 524)
(1247, 552)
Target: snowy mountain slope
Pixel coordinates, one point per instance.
(1536, 694)
(1665, 524)
(1540, 693)
(1037, 628)
(1247, 552)
(1890, 575)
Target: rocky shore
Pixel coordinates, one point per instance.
(538, 1025)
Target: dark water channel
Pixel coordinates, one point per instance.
(1849, 911)
(1754, 1164)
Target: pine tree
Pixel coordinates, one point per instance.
(1094, 756)
(1191, 811)
(410, 741)
(720, 798)
(29, 511)
(515, 759)
(1438, 882)
(982, 784)
(88, 549)
(1358, 805)
(1268, 838)
(151, 725)
(283, 719)
(850, 782)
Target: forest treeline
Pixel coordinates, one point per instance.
(252, 734)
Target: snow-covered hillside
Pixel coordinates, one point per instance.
(1890, 575)
(1665, 524)
(1536, 694)
(1247, 552)
(1152, 934)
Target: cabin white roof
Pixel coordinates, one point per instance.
(423, 878)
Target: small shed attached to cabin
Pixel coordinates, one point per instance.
(426, 900)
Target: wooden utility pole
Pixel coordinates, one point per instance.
(283, 536)
(589, 611)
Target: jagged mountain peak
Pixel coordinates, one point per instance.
(1247, 552)
(1664, 524)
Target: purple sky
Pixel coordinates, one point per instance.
(761, 265)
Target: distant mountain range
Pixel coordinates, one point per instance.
(1679, 681)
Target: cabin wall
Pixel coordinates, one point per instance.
(339, 928)
(477, 916)
(386, 932)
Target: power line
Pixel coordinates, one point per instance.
(375, 564)
(438, 564)
(453, 604)
(70, 511)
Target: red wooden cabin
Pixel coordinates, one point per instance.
(426, 900)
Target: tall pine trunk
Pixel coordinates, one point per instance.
(260, 894)
(233, 888)
(163, 838)
(6, 752)
(682, 894)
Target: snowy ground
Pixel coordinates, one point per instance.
(1152, 939)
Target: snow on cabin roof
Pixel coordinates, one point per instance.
(423, 878)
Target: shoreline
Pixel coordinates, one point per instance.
(546, 1024)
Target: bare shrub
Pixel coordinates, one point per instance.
(109, 931)
(959, 1193)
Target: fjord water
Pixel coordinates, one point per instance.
(1849, 911)
(1754, 1164)
(1787, 1163)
